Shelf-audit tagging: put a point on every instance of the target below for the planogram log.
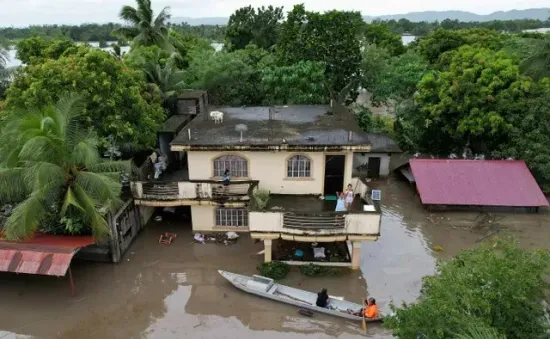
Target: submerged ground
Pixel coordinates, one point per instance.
(174, 291)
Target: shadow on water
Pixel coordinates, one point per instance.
(172, 291)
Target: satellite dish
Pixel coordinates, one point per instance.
(241, 128)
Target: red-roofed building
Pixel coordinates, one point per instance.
(494, 183)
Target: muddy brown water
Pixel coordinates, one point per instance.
(174, 291)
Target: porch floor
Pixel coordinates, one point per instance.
(336, 252)
(308, 203)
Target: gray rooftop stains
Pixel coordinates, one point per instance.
(292, 125)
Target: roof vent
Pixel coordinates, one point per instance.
(241, 128)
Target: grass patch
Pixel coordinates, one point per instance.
(275, 270)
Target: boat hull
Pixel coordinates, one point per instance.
(299, 298)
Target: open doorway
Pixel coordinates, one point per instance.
(335, 167)
(373, 167)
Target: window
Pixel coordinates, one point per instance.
(231, 217)
(299, 166)
(237, 166)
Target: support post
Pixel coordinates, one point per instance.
(267, 249)
(356, 255)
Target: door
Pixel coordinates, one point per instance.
(335, 167)
(373, 167)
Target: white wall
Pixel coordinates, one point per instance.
(270, 169)
(363, 159)
(203, 218)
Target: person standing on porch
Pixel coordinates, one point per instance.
(348, 197)
(340, 204)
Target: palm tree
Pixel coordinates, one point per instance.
(537, 63)
(169, 79)
(480, 332)
(143, 29)
(50, 165)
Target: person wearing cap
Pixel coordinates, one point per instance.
(370, 309)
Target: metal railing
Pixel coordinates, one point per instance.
(314, 221)
(193, 190)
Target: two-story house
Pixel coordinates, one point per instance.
(302, 155)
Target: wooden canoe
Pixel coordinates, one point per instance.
(268, 288)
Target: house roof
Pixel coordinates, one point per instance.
(279, 127)
(476, 182)
(43, 254)
(175, 123)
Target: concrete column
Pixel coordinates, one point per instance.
(267, 250)
(138, 190)
(356, 255)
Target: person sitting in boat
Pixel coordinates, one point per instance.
(322, 298)
(370, 309)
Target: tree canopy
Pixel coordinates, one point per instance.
(118, 101)
(499, 287)
(248, 25)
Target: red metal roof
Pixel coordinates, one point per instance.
(476, 182)
(43, 254)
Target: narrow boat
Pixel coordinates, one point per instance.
(267, 288)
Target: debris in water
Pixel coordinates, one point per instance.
(199, 238)
(438, 248)
(158, 218)
(232, 235)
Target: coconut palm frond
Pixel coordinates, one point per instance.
(130, 15)
(50, 163)
(97, 222)
(162, 18)
(99, 187)
(128, 33)
(25, 218)
(113, 167)
(12, 182)
(480, 332)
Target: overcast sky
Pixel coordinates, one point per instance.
(27, 12)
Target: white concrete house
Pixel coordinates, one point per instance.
(301, 154)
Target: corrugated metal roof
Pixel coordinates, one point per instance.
(43, 254)
(476, 182)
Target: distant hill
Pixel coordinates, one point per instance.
(533, 13)
(430, 16)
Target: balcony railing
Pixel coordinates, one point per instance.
(193, 190)
(349, 223)
(312, 221)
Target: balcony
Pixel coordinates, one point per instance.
(303, 218)
(191, 192)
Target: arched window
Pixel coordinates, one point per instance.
(298, 166)
(237, 166)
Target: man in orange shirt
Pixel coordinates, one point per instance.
(370, 309)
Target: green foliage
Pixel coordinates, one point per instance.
(380, 34)
(118, 101)
(470, 103)
(250, 26)
(188, 44)
(381, 124)
(275, 270)
(297, 84)
(480, 331)
(435, 44)
(50, 164)
(142, 27)
(496, 286)
(261, 198)
(537, 63)
(31, 48)
(312, 270)
(530, 135)
(332, 38)
(231, 79)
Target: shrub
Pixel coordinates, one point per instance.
(261, 198)
(274, 270)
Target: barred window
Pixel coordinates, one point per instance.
(299, 166)
(231, 217)
(237, 166)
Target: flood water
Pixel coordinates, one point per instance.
(174, 291)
